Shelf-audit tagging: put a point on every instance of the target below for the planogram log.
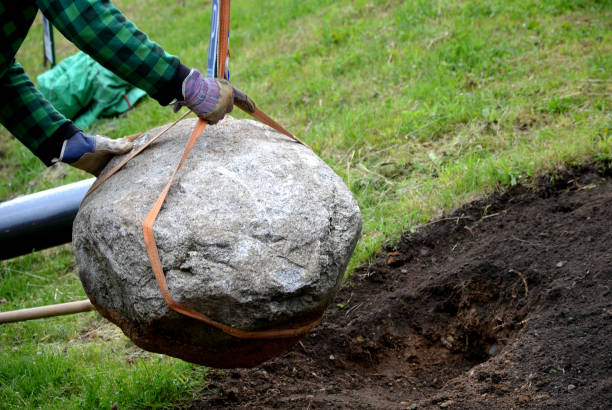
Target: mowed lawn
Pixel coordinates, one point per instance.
(419, 105)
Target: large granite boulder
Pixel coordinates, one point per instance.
(255, 233)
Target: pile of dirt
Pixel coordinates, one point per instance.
(505, 303)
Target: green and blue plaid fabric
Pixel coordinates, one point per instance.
(100, 30)
(31, 118)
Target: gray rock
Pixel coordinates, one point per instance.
(256, 233)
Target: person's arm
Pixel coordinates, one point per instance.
(103, 32)
(46, 132)
(31, 118)
(100, 30)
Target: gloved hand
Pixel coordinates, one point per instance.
(91, 153)
(243, 101)
(209, 98)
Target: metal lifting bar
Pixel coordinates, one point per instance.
(41, 220)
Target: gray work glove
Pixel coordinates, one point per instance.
(91, 153)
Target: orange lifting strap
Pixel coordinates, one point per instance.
(149, 221)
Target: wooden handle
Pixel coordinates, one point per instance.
(46, 311)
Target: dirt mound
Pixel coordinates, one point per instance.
(505, 303)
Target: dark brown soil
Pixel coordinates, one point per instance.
(506, 303)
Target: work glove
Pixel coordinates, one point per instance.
(243, 101)
(91, 153)
(209, 98)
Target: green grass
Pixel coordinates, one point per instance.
(419, 105)
(81, 376)
(76, 361)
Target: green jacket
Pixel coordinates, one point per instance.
(100, 30)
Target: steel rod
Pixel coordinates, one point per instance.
(46, 311)
(40, 220)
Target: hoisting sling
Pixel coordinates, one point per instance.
(244, 103)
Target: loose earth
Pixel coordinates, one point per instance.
(505, 303)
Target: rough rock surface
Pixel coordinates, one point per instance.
(256, 233)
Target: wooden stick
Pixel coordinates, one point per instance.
(46, 311)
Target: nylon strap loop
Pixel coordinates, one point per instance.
(113, 171)
(149, 221)
(156, 265)
(153, 253)
(223, 38)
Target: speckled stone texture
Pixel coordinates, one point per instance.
(256, 233)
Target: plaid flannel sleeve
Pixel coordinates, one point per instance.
(31, 118)
(23, 110)
(15, 21)
(103, 32)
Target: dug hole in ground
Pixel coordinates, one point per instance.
(505, 303)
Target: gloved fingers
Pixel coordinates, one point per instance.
(115, 147)
(94, 162)
(209, 98)
(243, 101)
(92, 153)
(226, 95)
(224, 103)
(133, 137)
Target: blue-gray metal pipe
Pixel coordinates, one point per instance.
(41, 220)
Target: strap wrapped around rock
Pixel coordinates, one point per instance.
(149, 221)
(153, 254)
